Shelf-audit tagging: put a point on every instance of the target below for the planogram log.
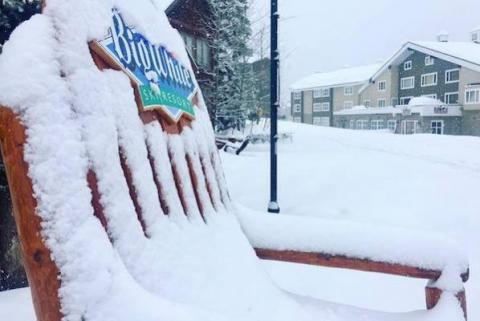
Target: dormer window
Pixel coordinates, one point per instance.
(429, 61)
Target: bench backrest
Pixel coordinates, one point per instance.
(139, 162)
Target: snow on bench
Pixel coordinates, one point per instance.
(414, 253)
(123, 213)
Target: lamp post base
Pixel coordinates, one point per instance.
(273, 208)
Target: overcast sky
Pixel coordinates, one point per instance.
(322, 35)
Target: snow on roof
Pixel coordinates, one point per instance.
(337, 77)
(466, 54)
(362, 110)
(424, 101)
(468, 51)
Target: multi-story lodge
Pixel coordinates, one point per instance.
(316, 97)
(445, 74)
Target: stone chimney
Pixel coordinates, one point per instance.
(442, 36)
(475, 35)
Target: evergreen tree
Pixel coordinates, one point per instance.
(233, 85)
(14, 12)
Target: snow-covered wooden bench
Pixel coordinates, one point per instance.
(84, 157)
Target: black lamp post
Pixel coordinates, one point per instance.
(274, 106)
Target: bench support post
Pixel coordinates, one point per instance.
(433, 295)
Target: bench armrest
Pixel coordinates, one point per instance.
(355, 246)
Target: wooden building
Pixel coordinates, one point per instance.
(192, 19)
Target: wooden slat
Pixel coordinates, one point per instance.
(131, 190)
(41, 271)
(96, 204)
(339, 261)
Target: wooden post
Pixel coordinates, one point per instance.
(433, 295)
(41, 271)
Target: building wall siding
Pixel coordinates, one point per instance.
(329, 100)
(371, 92)
(468, 77)
(308, 107)
(419, 68)
(471, 122)
(452, 125)
(297, 101)
(339, 97)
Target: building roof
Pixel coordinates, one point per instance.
(466, 54)
(466, 51)
(344, 76)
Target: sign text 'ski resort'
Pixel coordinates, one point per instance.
(163, 81)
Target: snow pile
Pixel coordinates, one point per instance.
(174, 267)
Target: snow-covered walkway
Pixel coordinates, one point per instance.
(421, 181)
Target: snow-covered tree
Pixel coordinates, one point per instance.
(233, 84)
(14, 12)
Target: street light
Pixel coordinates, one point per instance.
(273, 206)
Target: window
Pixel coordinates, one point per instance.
(407, 65)
(381, 103)
(366, 103)
(409, 127)
(451, 98)
(429, 60)
(452, 76)
(297, 108)
(297, 119)
(407, 83)
(322, 92)
(321, 121)
(405, 100)
(362, 124)
(376, 124)
(203, 53)
(352, 124)
(188, 43)
(472, 96)
(433, 96)
(348, 91)
(348, 104)
(392, 125)
(382, 85)
(394, 101)
(319, 107)
(429, 79)
(297, 95)
(437, 127)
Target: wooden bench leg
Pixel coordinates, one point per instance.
(433, 295)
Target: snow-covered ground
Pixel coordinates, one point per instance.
(422, 182)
